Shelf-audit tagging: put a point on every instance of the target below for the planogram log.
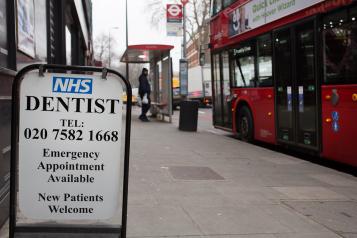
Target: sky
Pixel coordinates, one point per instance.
(110, 14)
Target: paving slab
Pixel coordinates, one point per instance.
(340, 217)
(296, 223)
(235, 220)
(309, 235)
(199, 193)
(310, 193)
(235, 236)
(255, 195)
(350, 192)
(156, 221)
(349, 235)
(194, 173)
(340, 180)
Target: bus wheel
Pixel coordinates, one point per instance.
(245, 124)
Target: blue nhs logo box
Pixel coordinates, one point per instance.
(72, 85)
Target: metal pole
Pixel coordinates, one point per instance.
(129, 94)
(184, 31)
(184, 97)
(127, 40)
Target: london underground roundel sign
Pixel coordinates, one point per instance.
(174, 12)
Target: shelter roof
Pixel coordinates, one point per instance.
(145, 53)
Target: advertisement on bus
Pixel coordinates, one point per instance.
(257, 13)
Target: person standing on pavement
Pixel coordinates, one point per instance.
(144, 91)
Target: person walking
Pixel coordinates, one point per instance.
(144, 93)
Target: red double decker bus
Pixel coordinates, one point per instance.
(285, 72)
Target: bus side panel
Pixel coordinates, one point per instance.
(261, 102)
(339, 130)
(265, 116)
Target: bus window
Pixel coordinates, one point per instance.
(265, 67)
(340, 38)
(226, 3)
(216, 7)
(243, 67)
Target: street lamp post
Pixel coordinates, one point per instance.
(184, 55)
(109, 46)
(184, 32)
(127, 40)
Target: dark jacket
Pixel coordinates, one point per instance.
(144, 86)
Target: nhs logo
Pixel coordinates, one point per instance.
(72, 85)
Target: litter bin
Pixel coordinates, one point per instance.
(188, 116)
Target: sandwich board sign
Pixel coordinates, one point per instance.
(67, 163)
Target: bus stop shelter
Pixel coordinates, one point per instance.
(158, 57)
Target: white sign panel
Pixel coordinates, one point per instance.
(69, 146)
(174, 29)
(259, 12)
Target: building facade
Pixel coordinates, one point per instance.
(197, 47)
(36, 31)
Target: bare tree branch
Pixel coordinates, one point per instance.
(102, 43)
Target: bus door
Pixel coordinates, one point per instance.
(217, 89)
(222, 115)
(226, 91)
(296, 86)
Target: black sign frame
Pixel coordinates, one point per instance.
(90, 229)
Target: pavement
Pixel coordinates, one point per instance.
(210, 185)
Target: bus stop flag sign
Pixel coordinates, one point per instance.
(69, 146)
(174, 16)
